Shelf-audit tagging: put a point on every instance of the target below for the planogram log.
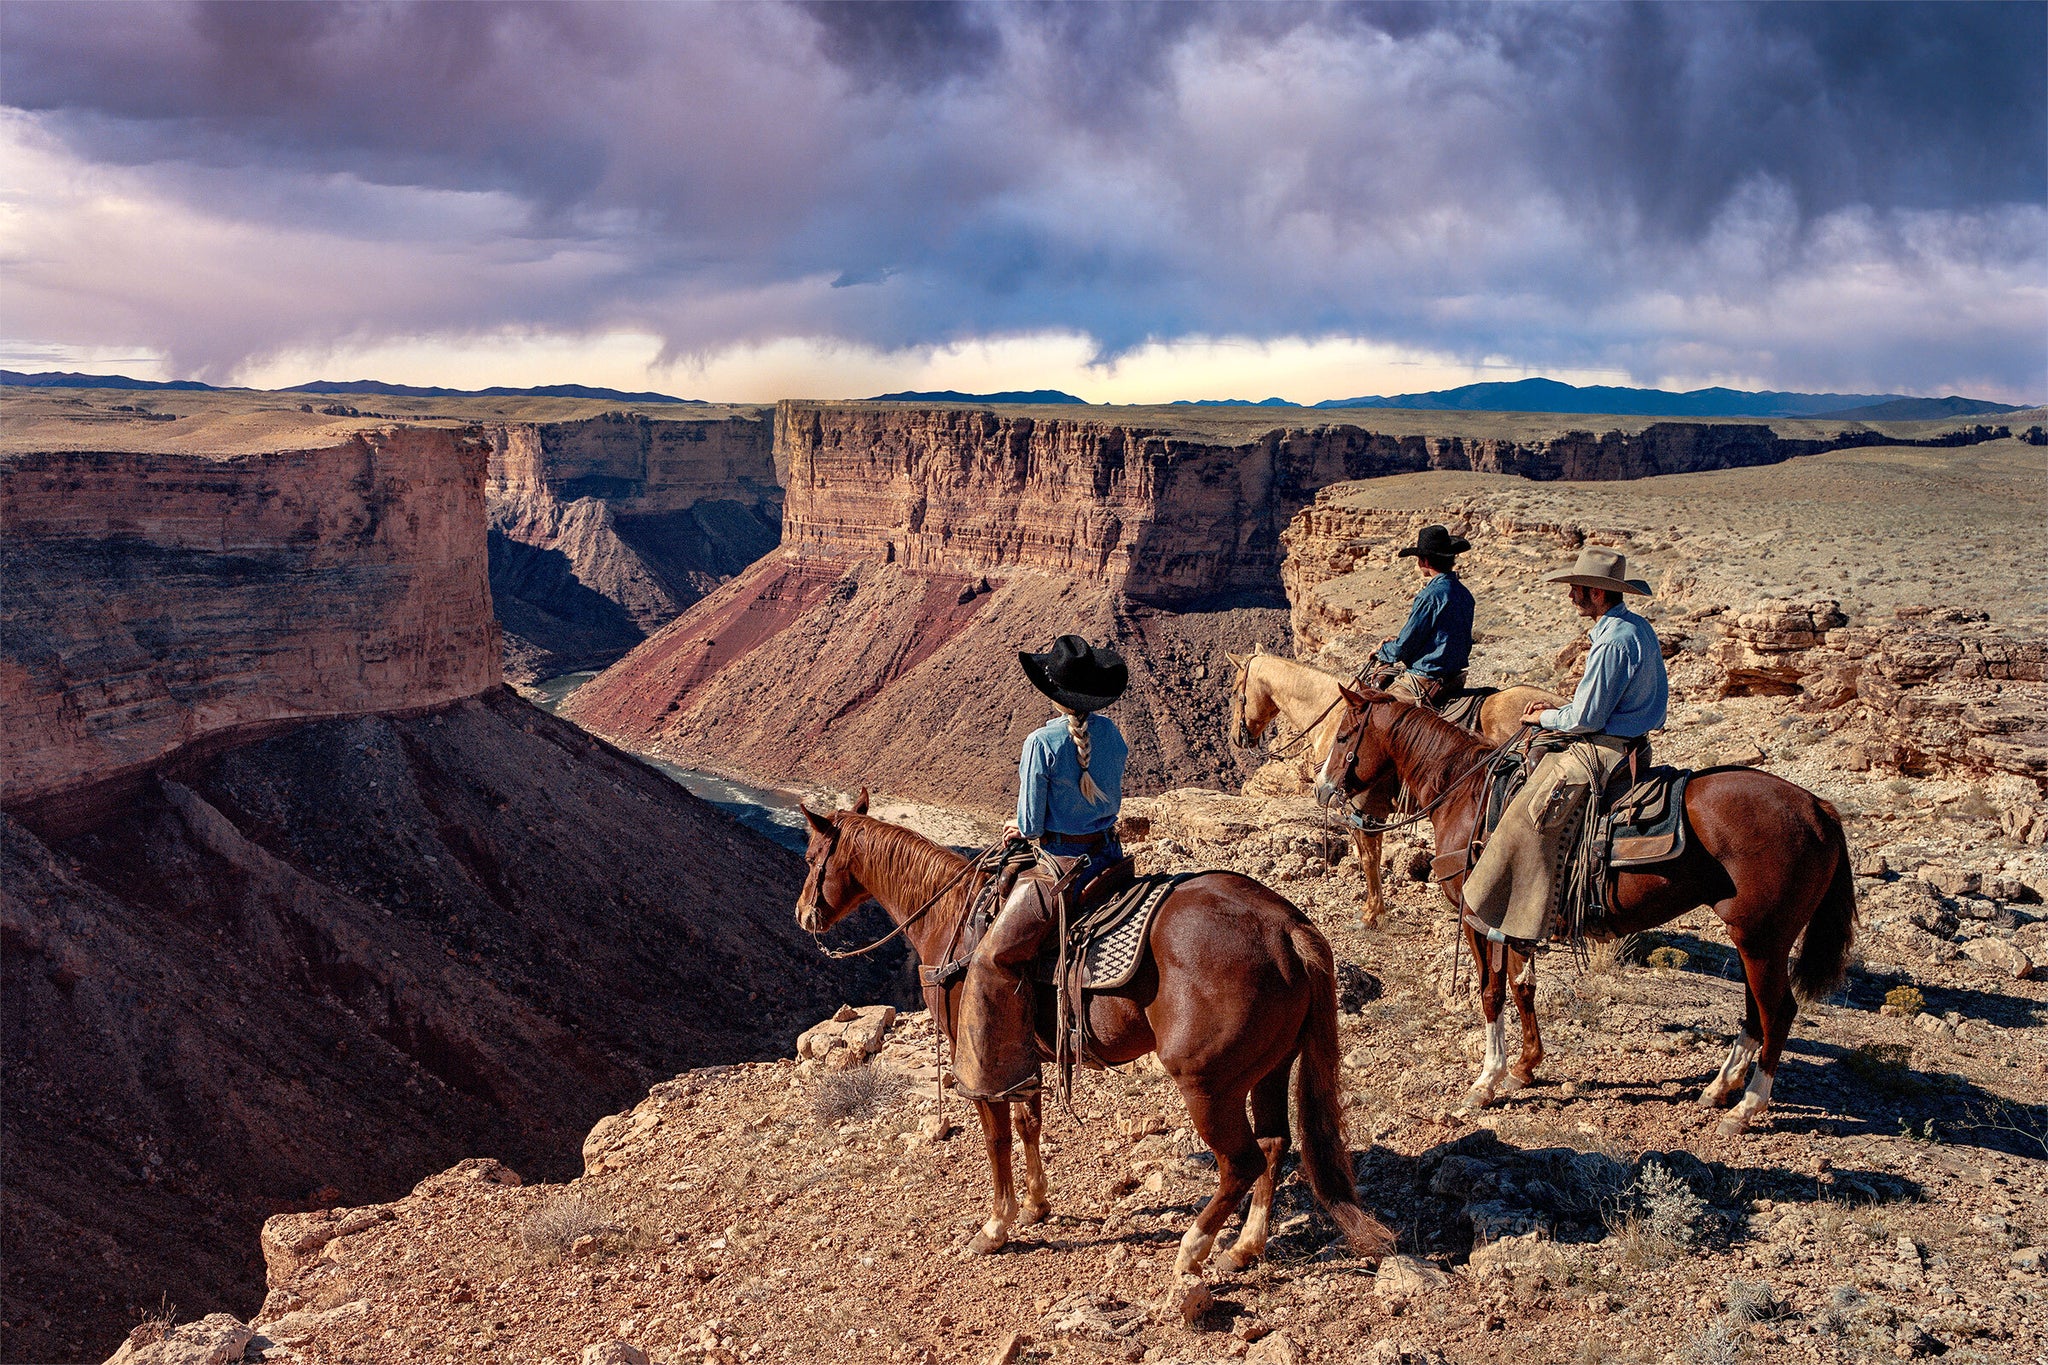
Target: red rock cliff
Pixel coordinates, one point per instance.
(604, 530)
(155, 602)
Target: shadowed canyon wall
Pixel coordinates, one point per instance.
(606, 529)
(297, 903)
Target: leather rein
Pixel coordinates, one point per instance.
(1351, 743)
(819, 907)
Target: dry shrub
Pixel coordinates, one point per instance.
(154, 1325)
(1616, 953)
(1658, 1218)
(555, 1225)
(1674, 959)
(1754, 1301)
(863, 1092)
(1906, 1000)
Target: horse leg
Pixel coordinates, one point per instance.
(1522, 976)
(1375, 906)
(1492, 1001)
(1030, 1123)
(1734, 1073)
(1770, 988)
(1269, 1126)
(1220, 1119)
(995, 1131)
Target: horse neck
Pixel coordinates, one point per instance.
(1428, 751)
(904, 872)
(1300, 692)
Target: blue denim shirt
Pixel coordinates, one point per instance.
(1623, 690)
(1049, 779)
(1437, 639)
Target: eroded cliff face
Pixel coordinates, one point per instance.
(297, 902)
(1162, 517)
(158, 602)
(604, 530)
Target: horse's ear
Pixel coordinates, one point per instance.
(820, 823)
(860, 807)
(1258, 647)
(1353, 699)
(1237, 661)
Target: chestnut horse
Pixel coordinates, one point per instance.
(1239, 991)
(1769, 857)
(1264, 687)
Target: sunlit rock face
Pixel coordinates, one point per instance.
(604, 530)
(157, 602)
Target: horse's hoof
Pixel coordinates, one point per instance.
(1034, 1214)
(1510, 1083)
(1479, 1097)
(983, 1243)
(1732, 1125)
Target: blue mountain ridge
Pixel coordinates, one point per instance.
(56, 379)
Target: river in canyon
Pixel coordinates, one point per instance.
(765, 810)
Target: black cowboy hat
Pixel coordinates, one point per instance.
(1076, 674)
(1436, 540)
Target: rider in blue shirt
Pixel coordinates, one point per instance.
(1069, 790)
(1426, 661)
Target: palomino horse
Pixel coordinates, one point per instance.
(1240, 990)
(1266, 686)
(1768, 857)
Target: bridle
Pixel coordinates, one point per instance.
(1348, 743)
(819, 909)
(1240, 697)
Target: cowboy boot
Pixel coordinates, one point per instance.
(996, 1051)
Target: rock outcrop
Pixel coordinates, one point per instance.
(155, 603)
(604, 530)
(296, 902)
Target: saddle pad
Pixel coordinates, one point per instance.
(1648, 823)
(1114, 950)
(1462, 708)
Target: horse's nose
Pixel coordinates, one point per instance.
(1326, 792)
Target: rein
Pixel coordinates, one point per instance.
(837, 955)
(1485, 761)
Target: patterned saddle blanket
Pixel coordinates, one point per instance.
(1107, 939)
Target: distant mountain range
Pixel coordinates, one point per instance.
(955, 396)
(1548, 395)
(1522, 395)
(55, 379)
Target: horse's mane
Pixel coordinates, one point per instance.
(912, 862)
(1430, 741)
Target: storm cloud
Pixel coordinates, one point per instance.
(1851, 197)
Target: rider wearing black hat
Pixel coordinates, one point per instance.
(1069, 789)
(1436, 642)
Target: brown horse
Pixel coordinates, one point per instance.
(1240, 990)
(1265, 687)
(1769, 857)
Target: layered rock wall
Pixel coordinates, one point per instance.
(1165, 518)
(604, 530)
(158, 602)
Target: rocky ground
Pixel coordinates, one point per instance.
(806, 1209)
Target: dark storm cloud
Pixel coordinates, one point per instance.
(1633, 186)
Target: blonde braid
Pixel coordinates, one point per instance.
(1077, 726)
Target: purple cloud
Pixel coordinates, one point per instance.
(1843, 196)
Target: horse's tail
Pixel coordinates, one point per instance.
(1319, 1100)
(1824, 952)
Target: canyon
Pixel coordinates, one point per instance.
(298, 902)
(605, 528)
(923, 545)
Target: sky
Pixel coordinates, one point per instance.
(1135, 203)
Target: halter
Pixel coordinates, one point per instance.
(1240, 695)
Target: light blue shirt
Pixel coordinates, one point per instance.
(1049, 779)
(1436, 641)
(1623, 690)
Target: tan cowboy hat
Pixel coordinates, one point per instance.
(1600, 567)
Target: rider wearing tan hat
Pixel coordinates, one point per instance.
(1513, 888)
